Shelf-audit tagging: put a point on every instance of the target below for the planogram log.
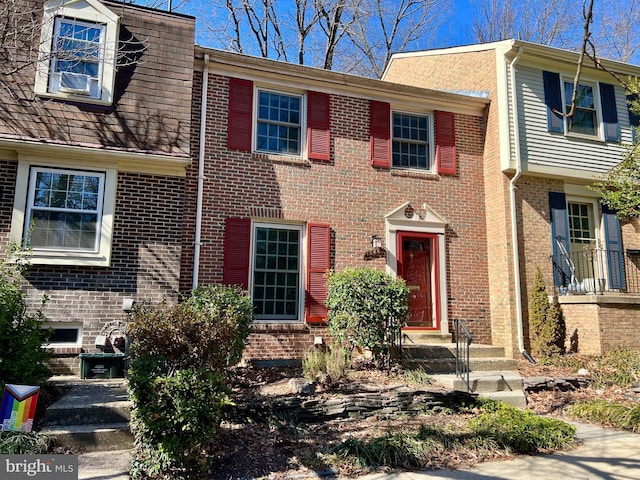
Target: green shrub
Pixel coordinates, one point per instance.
(22, 358)
(521, 431)
(209, 329)
(326, 366)
(617, 368)
(173, 416)
(179, 357)
(538, 307)
(546, 322)
(367, 309)
(393, 449)
(23, 443)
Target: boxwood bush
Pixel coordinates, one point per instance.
(367, 308)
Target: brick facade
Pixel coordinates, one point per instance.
(145, 261)
(476, 72)
(486, 68)
(348, 194)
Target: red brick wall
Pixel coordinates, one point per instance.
(346, 193)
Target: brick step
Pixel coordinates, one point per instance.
(91, 437)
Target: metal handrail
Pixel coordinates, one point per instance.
(462, 353)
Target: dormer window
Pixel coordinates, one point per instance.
(77, 59)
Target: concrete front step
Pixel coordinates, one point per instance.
(422, 338)
(93, 415)
(91, 437)
(448, 350)
(515, 399)
(480, 382)
(505, 386)
(448, 365)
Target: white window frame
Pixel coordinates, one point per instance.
(597, 107)
(59, 326)
(302, 124)
(90, 13)
(302, 255)
(33, 175)
(430, 141)
(19, 222)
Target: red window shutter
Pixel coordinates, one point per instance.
(237, 236)
(318, 138)
(446, 143)
(240, 109)
(318, 263)
(380, 133)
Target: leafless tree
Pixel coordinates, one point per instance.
(548, 22)
(617, 29)
(357, 36)
(382, 28)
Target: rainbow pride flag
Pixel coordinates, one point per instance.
(18, 407)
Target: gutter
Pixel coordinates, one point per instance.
(201, 148)
(514, 217)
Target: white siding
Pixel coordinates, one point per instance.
(541, 149)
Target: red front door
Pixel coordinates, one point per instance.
(417, 266)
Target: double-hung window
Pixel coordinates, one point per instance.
(64, 210)
(276, 271)
(279, 128)
(585, 116)
(77, 57)
(77, 53)
(410, 141)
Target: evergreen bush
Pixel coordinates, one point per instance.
(551, 339)
(538, 307)
(367, 309)
(547, 326)
(179, 357)
(22, 358)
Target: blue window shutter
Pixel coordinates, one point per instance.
(613, 247)
(634, 119)
(553, 100)
(560, 239)
(609, 112)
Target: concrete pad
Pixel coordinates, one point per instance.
(113, 465)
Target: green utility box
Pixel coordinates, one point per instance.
(101, 365)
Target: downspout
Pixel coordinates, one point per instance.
(203, 130)
(514, 217)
